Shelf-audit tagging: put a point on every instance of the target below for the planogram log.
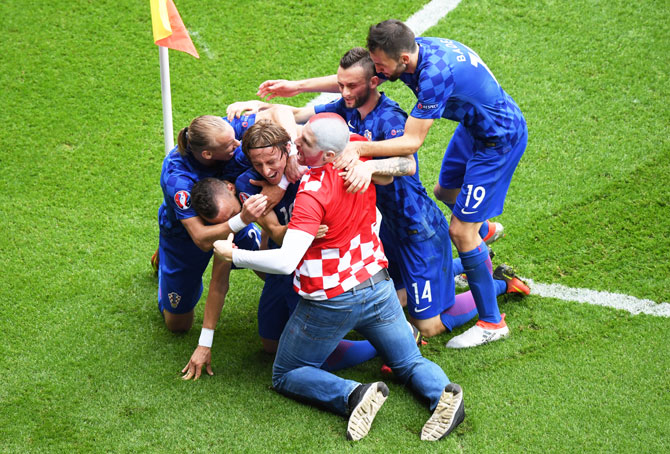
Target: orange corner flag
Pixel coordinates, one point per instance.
(169, 30)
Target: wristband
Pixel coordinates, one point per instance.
(236, 223)
(284, 182)
(206, 337)
(294, 150)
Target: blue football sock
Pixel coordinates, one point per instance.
(500, 286)
(457, 266)
(349, 353)
(481, 283)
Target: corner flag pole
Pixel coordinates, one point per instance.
(169, 32)
(166, 96)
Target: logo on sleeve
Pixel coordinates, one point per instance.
(368, 135)
(183, 200)
(243, 197)
(421, 106)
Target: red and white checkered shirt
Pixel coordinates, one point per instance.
(351, 251)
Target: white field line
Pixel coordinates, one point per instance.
(597, 298)
(421, 21)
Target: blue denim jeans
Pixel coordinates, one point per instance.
(316, 327)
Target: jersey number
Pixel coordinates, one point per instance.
(253, 234)
(478, 194)
(287, 213)
(425, 294)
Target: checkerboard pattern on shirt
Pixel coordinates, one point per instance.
(451, 81)
(351, 252)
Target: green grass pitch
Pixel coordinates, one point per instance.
(86, 363)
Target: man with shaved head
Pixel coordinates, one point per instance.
(344, 285)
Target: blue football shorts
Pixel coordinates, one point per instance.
(424, 269)
(482, 173)
(277, 303)
(180, 269)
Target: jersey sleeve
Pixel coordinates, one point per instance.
(307, 214)
(392, 123)
(435, 87)
(244, 187)
(240, 125)
(178, 195)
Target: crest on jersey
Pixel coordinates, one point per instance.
(183, 200)
(368, 135)
(394, 132)
(243, 197)
(174, 299)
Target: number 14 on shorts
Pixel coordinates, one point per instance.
(425, 293)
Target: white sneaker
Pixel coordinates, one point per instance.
(480, 333)
(448, 414)
(496, 231)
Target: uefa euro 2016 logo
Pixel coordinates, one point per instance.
(183, 200)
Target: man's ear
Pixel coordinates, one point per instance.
(404, 58)
(374, 82)
(206, 154)
(329, 156)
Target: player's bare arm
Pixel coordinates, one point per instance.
(416, 130)
(378, 171)
(216, 298)
(289, 88)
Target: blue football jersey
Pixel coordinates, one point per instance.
(283, 209)
(451, 81)
(179, 174)
(408, 213)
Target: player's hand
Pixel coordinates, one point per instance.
(293, 170)
(280, 87)
(358, 177)
(349, 156)
(223, 249)
(237, 109)
(323, 229)
(253, 208)
(202, 356)
(273, 193)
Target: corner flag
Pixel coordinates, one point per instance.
(169, 32)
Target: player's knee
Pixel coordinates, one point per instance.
(178, 323)
(445, 195)
(429, 327)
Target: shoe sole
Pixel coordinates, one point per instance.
(448, 414)
(364, 413)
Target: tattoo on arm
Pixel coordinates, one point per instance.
(395, 167)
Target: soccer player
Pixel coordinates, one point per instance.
(414, 231)
(267, 146)
(206, 148)
(450, 81)
(344, 285)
